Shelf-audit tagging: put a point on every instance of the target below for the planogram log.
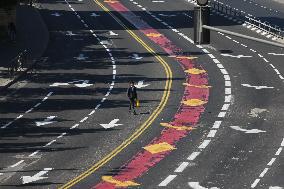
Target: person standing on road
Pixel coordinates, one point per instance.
(132, 95)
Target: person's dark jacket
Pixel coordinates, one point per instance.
(131, 92)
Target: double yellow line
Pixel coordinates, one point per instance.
(147, 123)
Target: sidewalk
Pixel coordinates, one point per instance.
(32, 35)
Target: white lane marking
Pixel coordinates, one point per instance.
(260, 55)
(30, 110)
(16, 164)
(236, 56)
(111, 124)
(182, 167)
(282, 143)
(265, 60)
(276, 54)
(158, 1)
(228, 98)
(263, 172)
(211, 55)
(95, 14)
(97, 107)
(81, 57)
(6, 125)
(34, 153)
(244, 45)
(278, 151)
(62, 135)
(167, 15)
(275, 187)
(254, 184)
(56, 14)
(37, 105)
(84, 119)
(256, 111)
(228, 83)
(228, 37)
(167, 180)
(51, 142)
(271, 161)
(74, 126)
(196, 185)
(36, 177)
(193, 155)
(224, 71)
(257, 87)
(212, 133)
(225, 107)
(217, 124)
(220, 65)
(216, 61)
(252, 50)
(228, 91)
(247, 131)
(222, 114)
(204, 144)
(111, 33)
(136, 57)
(206, 51)
(92, 112)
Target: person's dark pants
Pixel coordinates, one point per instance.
(132, 104)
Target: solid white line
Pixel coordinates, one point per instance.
(255, 183)
(228, 37)
(204, 144)
(182, 167)
(212, 133)
(34, 153)
(263, 172)
(278, 151)
(222, 114)
(216, 124)
(167, 180)
(271, 161)
(272, 65)
(193, 156)
(5, 126)
(16, 164)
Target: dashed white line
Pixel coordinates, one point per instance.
(167, 180)
(182, 167)
(204, 144)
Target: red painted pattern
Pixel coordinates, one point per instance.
(186, 116)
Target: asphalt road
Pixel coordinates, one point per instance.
(220, 105)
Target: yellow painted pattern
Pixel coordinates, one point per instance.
(157, 148)
(194, 102)
(147, 123)
(197, 86)
(195, 71)
(118, 183)
(179, 128)
(187, 57)
(153, 34)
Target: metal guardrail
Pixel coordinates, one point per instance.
(273, 30)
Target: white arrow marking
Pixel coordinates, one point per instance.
(59, 84)
(81, 57)
(56, 14)
(84, 84)
(196, 185)
(167, 15)
(95, 14)
(238, 56)
(141, 85)
(136, 57)
(46, 121)
(257, 87)
(275, 54)
(70, 33)
(112, 33)
(112, 124)
(252, 131)
(36, 177)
